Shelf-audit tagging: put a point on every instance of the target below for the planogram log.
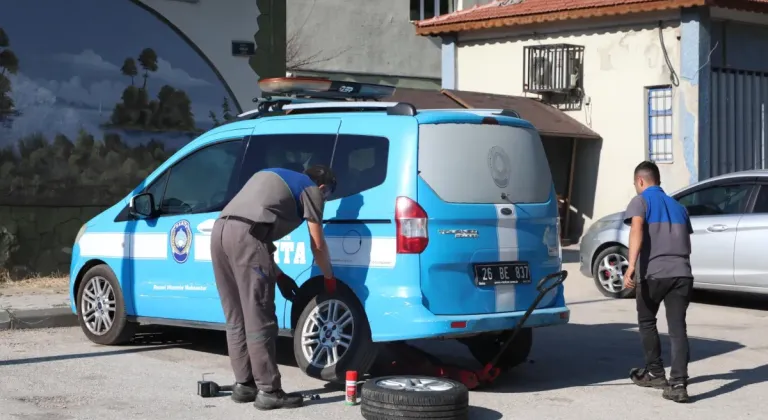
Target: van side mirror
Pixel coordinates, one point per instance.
(142, 205)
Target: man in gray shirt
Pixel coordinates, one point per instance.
(270, 205)
(660, 248)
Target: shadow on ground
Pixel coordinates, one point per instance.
(576, 355)
(571, 355)
(732, 299)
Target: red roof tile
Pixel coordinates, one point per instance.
(501, 13)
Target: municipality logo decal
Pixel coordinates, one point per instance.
(181, 241)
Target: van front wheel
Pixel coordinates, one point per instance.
(333, 336)
(101, 308)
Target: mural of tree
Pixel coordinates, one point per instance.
(226, 114)
(171, 111)
(9, 64)
(148, 61)
(80, 172)
(129, 69)
(226, 111)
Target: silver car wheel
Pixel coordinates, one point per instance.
(98, 305)
(415, 384)
(611, 271)
(326, 335)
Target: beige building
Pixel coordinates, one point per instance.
(635, 72)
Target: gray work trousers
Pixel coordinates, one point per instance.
(245, 278)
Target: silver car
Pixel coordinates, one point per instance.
(729, 215)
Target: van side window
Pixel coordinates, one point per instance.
(200, 182)
(290, 151)
(360, 163)
(157, 189)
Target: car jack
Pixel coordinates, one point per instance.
(415, 361)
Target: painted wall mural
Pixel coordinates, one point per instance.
(94, 95)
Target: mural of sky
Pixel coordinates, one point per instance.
(94, 95)
(70, 74)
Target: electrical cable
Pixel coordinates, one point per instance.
(673, 74)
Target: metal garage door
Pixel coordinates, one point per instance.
(738, 106)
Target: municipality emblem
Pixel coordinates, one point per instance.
(181, 241)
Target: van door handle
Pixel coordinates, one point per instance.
(506, 211)
(717, 228)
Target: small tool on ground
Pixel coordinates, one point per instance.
(209, 389)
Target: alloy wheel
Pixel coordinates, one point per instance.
(98, 305)
(327, 333)
(611, 271)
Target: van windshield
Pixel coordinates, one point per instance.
(489, 164)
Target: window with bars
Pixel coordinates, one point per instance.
(660, 124)
(426, 9)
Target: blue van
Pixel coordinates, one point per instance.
(441, 225)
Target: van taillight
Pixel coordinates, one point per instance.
(411, 221)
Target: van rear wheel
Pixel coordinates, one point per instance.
(333, 336)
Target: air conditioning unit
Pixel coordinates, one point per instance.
(556, 68)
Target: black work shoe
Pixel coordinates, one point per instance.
(244, 393)
(277, 399)
(642, 377)
(677, 393)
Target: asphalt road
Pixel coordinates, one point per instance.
(579, 371)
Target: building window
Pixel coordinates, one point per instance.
(426, 9)
(660, 124)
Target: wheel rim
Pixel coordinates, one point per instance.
(611, 271)
(327, 333)
(98, 305)
(415, 384)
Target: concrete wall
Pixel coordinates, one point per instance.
(43, 237)
(361, 37)
(621, 59)
(79, 129)
(212, 26)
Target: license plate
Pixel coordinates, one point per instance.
(502, 273)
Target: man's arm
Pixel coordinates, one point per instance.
(313, 203)
(636, 213)
(320, 248)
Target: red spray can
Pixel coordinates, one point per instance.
(351, 388)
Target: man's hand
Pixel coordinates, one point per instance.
(629, 281)
(288, 287)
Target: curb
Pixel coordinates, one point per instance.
(37, 318)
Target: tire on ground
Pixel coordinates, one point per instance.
(121, 331)
(616, 249)
(485, 347)
(379, 403)
(362, 352)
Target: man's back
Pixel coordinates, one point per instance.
(666, 246)
(280, 197)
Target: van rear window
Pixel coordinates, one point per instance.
(491, 164)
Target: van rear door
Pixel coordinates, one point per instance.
(492, 216)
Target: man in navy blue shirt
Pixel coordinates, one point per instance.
(660, 268)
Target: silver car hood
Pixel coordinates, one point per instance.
(617, 217)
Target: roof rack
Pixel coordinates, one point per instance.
(481, 111)
(320, 88)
